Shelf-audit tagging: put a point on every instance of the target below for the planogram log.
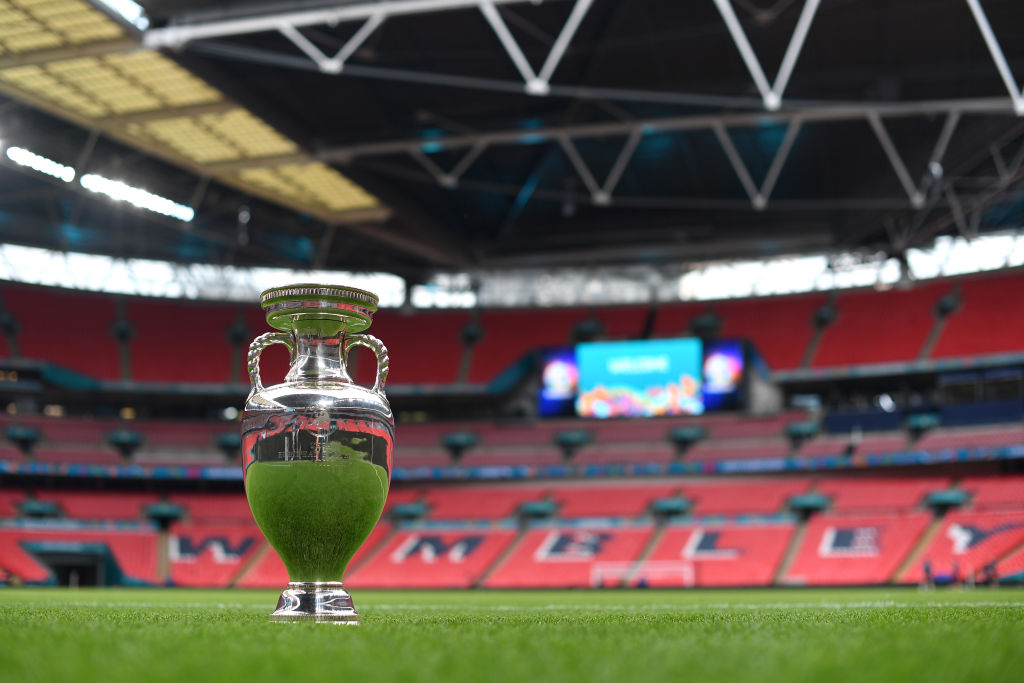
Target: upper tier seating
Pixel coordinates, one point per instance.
(508, 335)
(967, 541)
(855, 549)
(479, 502)
(432, 559)
(779, 327)
(69, 328)
(178, 341)
(743, 497)
(424, 348)
(877, 495)
(135, 552)
(609, 501)
(715, 555)
(994, 492)
(981, 325)
(879, 327)
(571, 557)
(211, 555)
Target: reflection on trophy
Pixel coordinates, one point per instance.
(316, 449)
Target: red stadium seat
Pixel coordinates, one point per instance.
(425, 348)
(746, 497)
(81, 342)
(100, 505)
(9, 501)
(738, 449)
(179, 341)
(214, 507)
(609, 501)
(508, 335)
(975, 437)
(897, 323)
(432, 559)
(210, 555)
(967, 541)
(878, 495)
(779, 327)
(994, 492)
(840, 550)
(570, 557)
(715, 555)
(135, 552)
(981, 324)
(478, 502)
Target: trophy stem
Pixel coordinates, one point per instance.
(325, 602)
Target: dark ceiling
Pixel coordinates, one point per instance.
(430, 86)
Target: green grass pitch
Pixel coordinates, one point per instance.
(189, 636)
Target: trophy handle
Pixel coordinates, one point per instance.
(379, 350)
(256, 348)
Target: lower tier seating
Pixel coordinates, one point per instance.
(570, 558)
(134, 552)
(432, 559)
(854, 549)
(966, 542)
(210, 555)
(715, 555)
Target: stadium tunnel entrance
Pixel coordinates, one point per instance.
(77, 564)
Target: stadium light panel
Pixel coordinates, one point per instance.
(136, 196)
(128, 10)
(37, 162)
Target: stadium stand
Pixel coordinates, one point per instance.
(898, 330)
(980, 325)
(966, 542)
(570, 557)
(9, 501)
(99, 505)
(743, 497)
(739, 449)
(994, 492)
(971, 437)
(82, 343)
(198, 350)
(211, 554)
(214, 507)
(133, 551)
(715, 555)
(609, 501)
(478, 502)
(432, 559)
(879, 495)
(509, 335)
(780, 328)
(848, 549)
(425, 348)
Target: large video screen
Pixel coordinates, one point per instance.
(640, 378)
(559, 383)
(723, 375)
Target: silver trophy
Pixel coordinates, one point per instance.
(317, 448)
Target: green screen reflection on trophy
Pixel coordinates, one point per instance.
(317, 448)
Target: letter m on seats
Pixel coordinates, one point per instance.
(431, 548)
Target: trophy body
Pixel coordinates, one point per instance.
(317, 448)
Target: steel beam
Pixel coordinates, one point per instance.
(997, 56)
(770, 94)
(177, 35)
(844, 112)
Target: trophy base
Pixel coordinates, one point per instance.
(320, 602)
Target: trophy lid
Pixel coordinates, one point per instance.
(288, 304)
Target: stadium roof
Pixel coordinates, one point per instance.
(412, 136)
